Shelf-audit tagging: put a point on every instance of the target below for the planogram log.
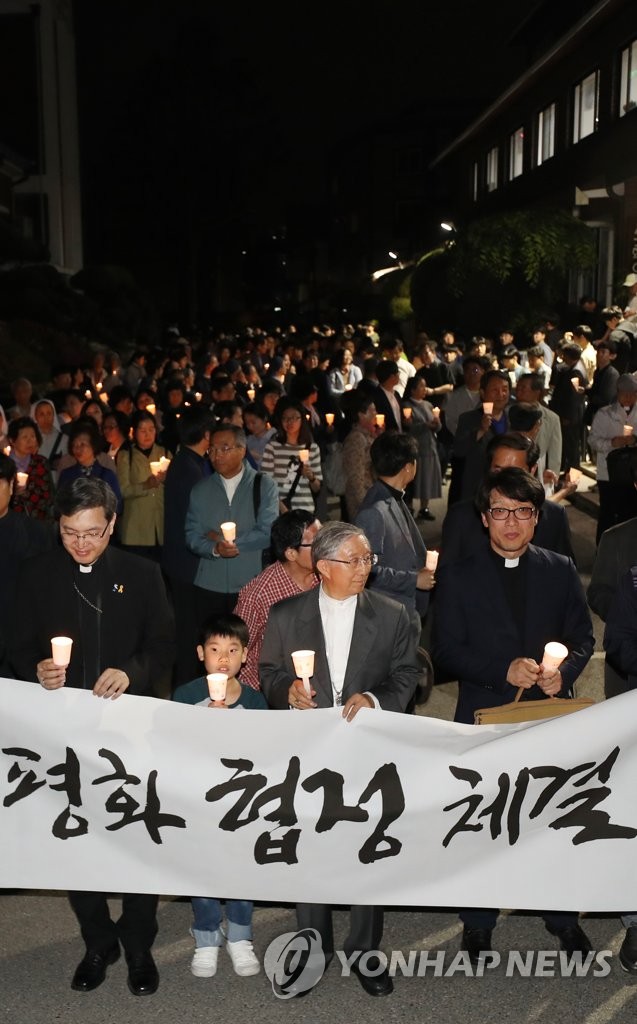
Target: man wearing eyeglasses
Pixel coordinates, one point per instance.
(495, 611)
(236, 494)
(364, 659)
(114, 607)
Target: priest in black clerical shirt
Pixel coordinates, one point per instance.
(495, 611)
(113, 605)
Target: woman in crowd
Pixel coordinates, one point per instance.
(85, 445)
(94, 409)
(54, 442)
(357, 463)
(142, 524)
(424, 425)
(255, 418)
(299, 481)
(344, 375)
(35, 497)
(115, 431)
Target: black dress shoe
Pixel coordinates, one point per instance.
(374, 984)
(572, 940)
(91, 971)
(426, 514)
(476, 941)
(143, 976)
(628, 951)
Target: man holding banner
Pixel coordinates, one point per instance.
(114, 608)
(364, 658)
(495, 611)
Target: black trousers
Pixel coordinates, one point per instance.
(135, 929)
(184, 601)
(365, 927)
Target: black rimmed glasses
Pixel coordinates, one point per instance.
(522, 513)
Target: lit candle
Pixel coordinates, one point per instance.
(164, 463)
(304, 667)
(217, 685)
(304, 455)
(22, 479)
(155, 468)
(431, 560)
(251, 393)
(198, 395)
(229, 531)
(575, 382)
(151, 408)
(380, 419)
(627, 430)
(329, 419)
(104, 397)
(87, 393)
(61, 650)
(487, 408)
(407, 411)
(99, 386)
(554, 654)
(436, 410)
(7, 450)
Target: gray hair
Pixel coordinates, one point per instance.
(239, 433)
(330, 538)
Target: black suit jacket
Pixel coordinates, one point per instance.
(474, 452)
(476, 637)
(137, 630)
(382, 656)
(382, 404)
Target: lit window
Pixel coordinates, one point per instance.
(546, 134)
(585, 106)
(476, 180)
(492, 169)
(516, 154)
(628, 85)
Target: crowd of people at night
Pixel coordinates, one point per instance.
(267, 490)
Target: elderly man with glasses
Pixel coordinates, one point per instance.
(364, 658)
(113, 605)
(495, 611)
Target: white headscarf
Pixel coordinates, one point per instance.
(48, 440)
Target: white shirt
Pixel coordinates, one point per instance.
(337, 619)
(231, 485)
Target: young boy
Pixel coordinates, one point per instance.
(223, 648)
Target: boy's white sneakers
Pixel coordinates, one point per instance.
(243, 959)
(204, 961)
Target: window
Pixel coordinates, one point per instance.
(546, 134)
(492, 169)
(516, 154)
(476, 180)
(585, 104)
(628, 84)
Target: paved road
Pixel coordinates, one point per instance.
(40, 946)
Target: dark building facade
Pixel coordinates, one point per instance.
(563, 134)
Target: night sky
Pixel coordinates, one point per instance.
(244, 103)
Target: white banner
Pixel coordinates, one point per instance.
(142, 795)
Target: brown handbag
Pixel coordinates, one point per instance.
(530, 710)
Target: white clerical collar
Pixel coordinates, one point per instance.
(511, 563)
(85, 568)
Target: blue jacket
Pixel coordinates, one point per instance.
(209, 508)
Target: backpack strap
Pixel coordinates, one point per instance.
(256, 494)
